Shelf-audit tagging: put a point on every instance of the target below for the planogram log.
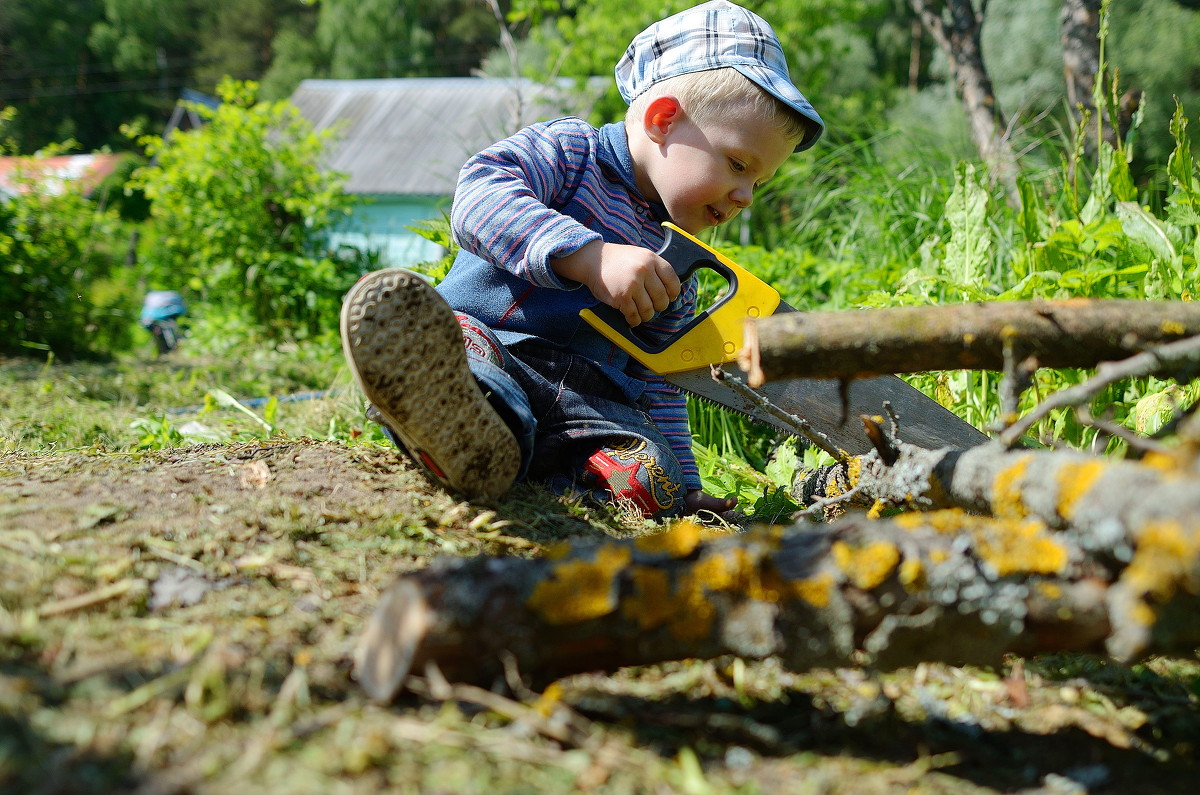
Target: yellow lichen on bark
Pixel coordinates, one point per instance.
(817, 591)
(866, 566)
(735, 570)
(559, 550)
(912, 575)
(1074, 481)
(1006, 490)
(579, 590)
(1049, 590)
(1165, 559)
(677, 542)
(1019, 547)
(948, 521)
(1010, 544)
(1160, 461)
(686, 608)
(691, 612)
(652, 603)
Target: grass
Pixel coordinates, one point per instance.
(180, 617)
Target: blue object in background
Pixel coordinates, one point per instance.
(159, 311)
(161, 305)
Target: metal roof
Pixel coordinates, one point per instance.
(412, 135)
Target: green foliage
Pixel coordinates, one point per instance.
(61, 289)
(924, 242)
(1153, 46)
(240, 209)
(162, 433)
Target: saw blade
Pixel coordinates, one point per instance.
(922, 420)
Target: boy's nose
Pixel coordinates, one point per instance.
(742, 196)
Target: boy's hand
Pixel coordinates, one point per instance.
(697, 500)
(633, 280)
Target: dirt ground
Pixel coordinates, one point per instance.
(184, 620)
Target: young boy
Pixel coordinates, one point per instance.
(493, 376)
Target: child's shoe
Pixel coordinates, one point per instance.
(405, 348)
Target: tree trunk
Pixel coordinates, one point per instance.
(857, 343)
(955, 27)
(1113, 566)
(1079, 31)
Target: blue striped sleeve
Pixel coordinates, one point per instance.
(501, 209)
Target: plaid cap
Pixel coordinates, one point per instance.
(711, 36)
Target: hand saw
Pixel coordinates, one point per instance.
(714, 336)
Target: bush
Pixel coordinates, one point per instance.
(58, 256)
(239, 215)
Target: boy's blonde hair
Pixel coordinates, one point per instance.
(723, 95)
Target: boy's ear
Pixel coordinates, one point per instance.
(659, 117)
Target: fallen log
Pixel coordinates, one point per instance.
(938, 586)
(1078, 332)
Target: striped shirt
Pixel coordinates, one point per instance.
(545, 193)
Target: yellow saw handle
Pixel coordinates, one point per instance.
(714, 336)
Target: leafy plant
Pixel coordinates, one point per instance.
(61, 289)
(240, 208)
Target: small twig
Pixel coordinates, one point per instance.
(1017, 377)
(512, 677)
(894, 418)
(844, 398)
(1136, 441)
(750, 357)
(821, 505)
(1153, 360)
(152, 547)
(801, 426)
(92, 598)
(562, 724)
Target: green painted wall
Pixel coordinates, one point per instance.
(379, 224)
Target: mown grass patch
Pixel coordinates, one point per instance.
(181, 617)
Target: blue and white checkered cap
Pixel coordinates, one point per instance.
(711, 36)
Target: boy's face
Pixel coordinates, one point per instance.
(706, 173)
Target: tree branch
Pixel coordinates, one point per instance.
(857, 343)
(944, 586)
(1181, 355)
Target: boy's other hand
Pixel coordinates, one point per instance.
(633, 280)
(697, 500)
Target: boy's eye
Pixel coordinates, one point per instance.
(737, 166)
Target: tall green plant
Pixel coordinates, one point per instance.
(239, 214)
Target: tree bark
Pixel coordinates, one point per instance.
(1114, 567)
(1079, 32)
(860, 343)
(955, 27)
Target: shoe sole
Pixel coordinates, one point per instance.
(405, 349)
